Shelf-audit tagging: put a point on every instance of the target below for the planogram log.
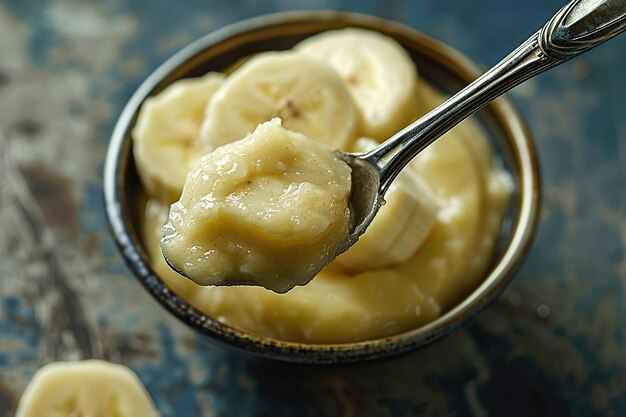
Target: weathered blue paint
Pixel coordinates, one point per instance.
(552, 345)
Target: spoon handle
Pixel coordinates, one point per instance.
(577, 27)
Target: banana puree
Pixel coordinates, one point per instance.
(267, 210)
(426, 253)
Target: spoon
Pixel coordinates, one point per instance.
(576, 28)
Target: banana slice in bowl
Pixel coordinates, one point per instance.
(91, 388)
(165, 138)
(379, 73)
(399, 228)
(306, 93)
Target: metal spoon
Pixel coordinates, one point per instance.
(576, 28)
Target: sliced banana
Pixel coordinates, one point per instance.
(307, 94)
(89, 388)
(379, 74)
(399, 228)
(166, 134)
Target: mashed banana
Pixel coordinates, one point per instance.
(334, 307)
(268, 210)
(428, 248)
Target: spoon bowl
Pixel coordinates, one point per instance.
(365, 203)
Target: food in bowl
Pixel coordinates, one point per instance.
(379, 294)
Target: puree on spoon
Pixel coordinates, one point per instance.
(267, 210)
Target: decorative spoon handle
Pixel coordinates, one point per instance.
(577, 27)
(580, 26)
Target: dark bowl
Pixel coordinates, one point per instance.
(439, 64)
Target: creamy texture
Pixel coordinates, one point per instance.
(334, 307)
(270, 209)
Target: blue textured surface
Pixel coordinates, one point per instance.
(552, 345)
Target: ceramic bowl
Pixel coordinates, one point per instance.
(439, 64)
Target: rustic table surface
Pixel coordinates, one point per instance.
(552, 345)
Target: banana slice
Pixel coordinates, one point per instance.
(379, 73)
(89, 388)
(166, 134)
(307, 94)
(399, 228)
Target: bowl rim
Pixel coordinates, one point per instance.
(493, 284)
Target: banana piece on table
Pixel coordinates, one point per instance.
(307, 94)
(89, 388)
(399, 228)
(379, 73)
(165, 138)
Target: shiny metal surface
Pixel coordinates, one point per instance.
(582, 25)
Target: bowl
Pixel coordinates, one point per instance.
(439, 64)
